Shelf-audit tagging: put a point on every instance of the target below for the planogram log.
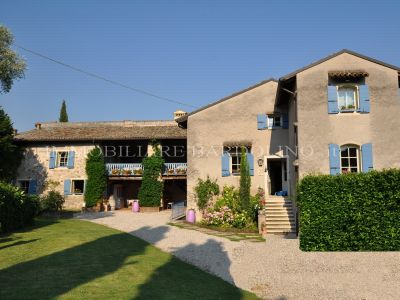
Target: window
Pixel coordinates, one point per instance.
(347, 98)
(235, 153)
(349, 159)
(62, 159)
(77, 186)
(24, 185)
(274, 121)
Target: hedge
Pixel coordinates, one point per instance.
(17, 209)
(350, 212)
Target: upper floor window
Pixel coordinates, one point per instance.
(347, 98)
(349, 159)
(62, 159)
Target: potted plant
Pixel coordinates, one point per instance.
(138, 172)
(127, 172)
(171, 172)
(115, 172)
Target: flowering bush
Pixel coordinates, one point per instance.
(219, 217)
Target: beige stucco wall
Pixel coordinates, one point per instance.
(230, 121)
(36, 166)
(317, 128)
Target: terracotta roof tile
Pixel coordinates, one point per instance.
(90, 131)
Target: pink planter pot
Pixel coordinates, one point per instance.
(135, 206)
(191, 216)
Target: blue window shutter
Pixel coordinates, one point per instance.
(332, 100)
(32, 187)
(52, 161)
(334, 159)
(364, 99)
(67, 186)
(285, 121)
(71, 158)
(261, 121)
(225, 159)
(366, 155)
(250, 161)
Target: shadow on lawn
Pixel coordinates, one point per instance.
(58, 273)
(177, 280)
(53, 275)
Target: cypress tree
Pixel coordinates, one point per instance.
(63, 112)
(245, 181)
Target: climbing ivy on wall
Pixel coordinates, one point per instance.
(96, 177)
(151, 190)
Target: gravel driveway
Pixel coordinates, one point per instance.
(276, 269)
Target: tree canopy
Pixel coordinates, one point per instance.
(12, 66)
(10, 153)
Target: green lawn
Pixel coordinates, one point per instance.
(72, 259)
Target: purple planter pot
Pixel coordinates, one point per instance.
(135, 206)
(191, 216)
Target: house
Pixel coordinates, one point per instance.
(337, 115)
(56, 154)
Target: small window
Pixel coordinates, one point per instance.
(24, 185)
(349, 158)
(347, 98)
(274, 121)
(77, 186)
(62, 159)
(235, 154)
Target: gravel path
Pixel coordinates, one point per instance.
(276, 269)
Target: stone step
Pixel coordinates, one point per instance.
(278, 213)
(282, 209)
(278, 205)
(279, 224)
(280, 231)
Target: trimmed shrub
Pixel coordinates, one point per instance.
(52, 202)
(17, 209)
(96, 177)
(205, 190)
(350, 212)
(151, 189)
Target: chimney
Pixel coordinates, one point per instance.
(179, 113)
(38, 125)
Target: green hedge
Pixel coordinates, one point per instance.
(351, 212)
(17, 209)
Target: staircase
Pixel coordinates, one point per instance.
(279, 215)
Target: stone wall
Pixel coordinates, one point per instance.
(36, 166)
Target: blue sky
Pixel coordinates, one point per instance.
(191, 51)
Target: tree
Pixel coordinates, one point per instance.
(245, 180)
(11, 153)
(12, 66)
(63, 112)
(151, 190)
(96, 183)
